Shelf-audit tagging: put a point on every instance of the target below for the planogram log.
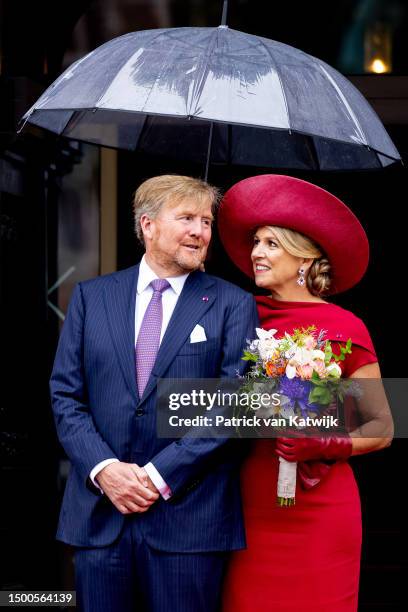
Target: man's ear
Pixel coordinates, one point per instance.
(146, 225)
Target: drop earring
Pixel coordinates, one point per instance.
(301, 278)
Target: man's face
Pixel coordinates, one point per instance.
(177, 239)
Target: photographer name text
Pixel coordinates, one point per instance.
(324, 422)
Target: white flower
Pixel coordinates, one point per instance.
(334, 370)
(303, 356)
(264, 334)
(318, 354)
(290, 371)
(267, 344)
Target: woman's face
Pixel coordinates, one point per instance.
(274, 268)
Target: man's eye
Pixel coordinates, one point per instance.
(207, 222)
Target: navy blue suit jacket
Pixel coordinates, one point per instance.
(99, 414)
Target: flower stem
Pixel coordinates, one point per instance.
(285, 501)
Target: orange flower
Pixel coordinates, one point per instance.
(275, 368)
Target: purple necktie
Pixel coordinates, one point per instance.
(148, 340)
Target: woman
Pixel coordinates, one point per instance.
(300, 243)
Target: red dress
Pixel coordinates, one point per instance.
(305, 558)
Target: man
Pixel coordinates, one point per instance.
(151, 521)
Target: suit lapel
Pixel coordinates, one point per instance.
(196, 298)
(120, 301)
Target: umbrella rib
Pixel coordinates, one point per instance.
(346, 104)
(199, 81)
(172, 36)
(280, 81)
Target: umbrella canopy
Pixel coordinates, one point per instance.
(197, 92)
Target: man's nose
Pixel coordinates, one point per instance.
(196, 227)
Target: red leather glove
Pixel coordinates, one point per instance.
(329, 448)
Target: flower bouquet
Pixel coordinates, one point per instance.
(302, 368)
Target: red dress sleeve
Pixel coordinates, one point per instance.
(363, 351)
(358, 358)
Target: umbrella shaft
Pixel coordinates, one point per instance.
(224, 13)
(207, 163)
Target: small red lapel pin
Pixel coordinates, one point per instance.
(205, 298)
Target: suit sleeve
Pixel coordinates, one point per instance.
(75, 426)
(180, 463)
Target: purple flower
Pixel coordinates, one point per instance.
(297, 391)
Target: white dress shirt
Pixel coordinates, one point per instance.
(169, 300)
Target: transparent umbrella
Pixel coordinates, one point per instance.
(215, 95)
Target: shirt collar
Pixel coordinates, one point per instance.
(146, 275)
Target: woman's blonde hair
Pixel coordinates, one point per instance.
(151, 195)
(318, 278)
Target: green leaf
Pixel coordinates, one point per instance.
(320, 395)
(328, 353)
(344, 350)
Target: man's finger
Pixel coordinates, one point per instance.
(140, 501)
(136, 507)
(144, 492)
(130, 507)
(141, 475)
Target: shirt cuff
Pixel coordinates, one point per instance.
(98, 468)
(158, 481)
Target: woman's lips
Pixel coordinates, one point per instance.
(261, 269)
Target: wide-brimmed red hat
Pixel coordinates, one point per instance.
(284, 201)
